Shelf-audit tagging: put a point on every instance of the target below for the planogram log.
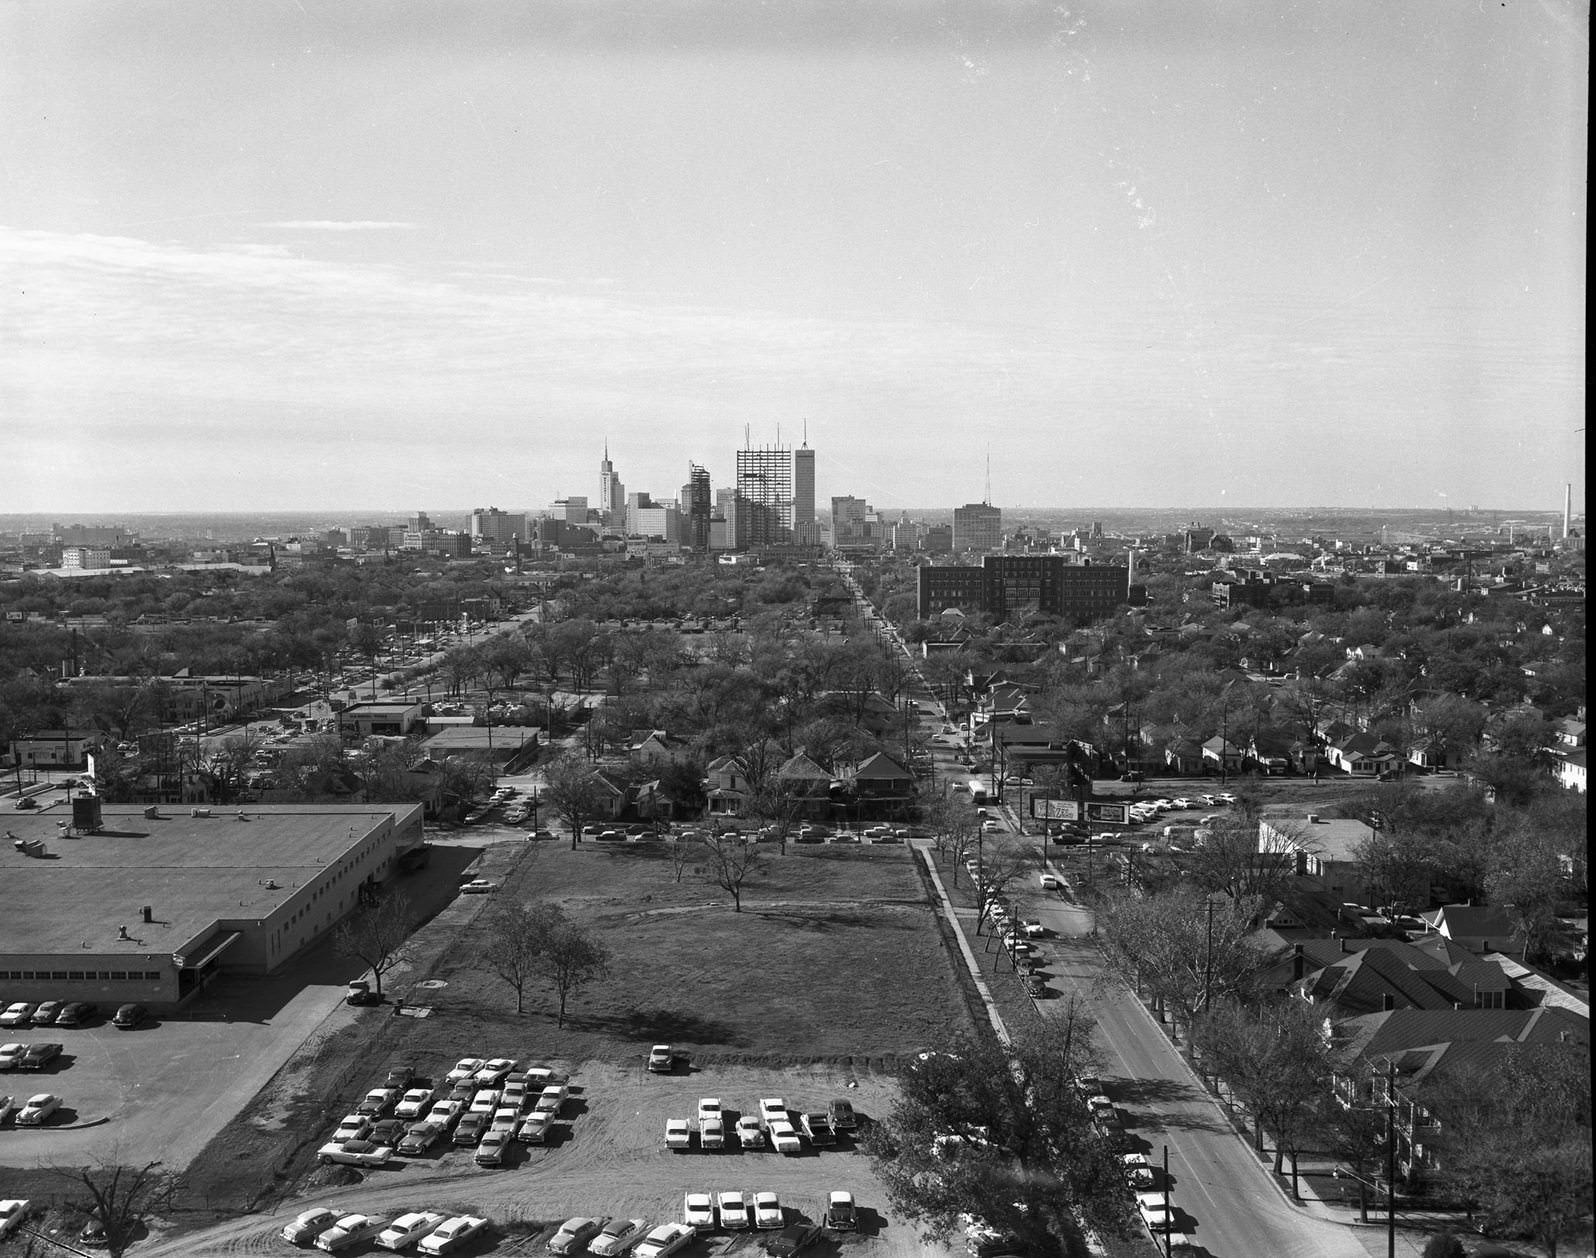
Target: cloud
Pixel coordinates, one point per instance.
(340, 225)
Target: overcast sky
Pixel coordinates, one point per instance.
(431, 255)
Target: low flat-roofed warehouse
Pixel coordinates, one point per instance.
(152, 903)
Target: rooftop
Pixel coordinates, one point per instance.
(190, 870)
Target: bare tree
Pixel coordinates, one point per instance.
(999, 872)
(570, 958)
(515, 943)
(683, 852)
(571, 791)
(729, 861)
(378, 935)
(120, 1197)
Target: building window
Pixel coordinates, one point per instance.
(58, 976)
(76, 976)
(153, 976)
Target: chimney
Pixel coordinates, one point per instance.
(1313, 819)
(1344, 947)
(1387, 1002)
(1297, 962)
(149, 916)
(121, 932)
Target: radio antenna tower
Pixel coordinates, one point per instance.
(987, 501)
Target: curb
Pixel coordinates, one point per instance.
(982, 990)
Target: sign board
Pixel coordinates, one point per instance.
(1117, 814)
(1055, 809)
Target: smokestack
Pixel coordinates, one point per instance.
(1297, 965)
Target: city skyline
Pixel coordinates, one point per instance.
(289, 256)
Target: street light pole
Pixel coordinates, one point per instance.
(1390, 1158)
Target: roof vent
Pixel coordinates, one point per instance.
(1313, 819)
(201, 812)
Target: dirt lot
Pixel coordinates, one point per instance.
(609, 1161)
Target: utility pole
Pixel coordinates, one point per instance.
(1390, 1158)
(1208, 957)
(1168, 1217)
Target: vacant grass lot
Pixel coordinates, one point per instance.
(835, 955)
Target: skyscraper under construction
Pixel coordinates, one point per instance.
(778, 484)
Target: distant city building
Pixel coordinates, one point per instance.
(572, 510)
(656, 521)
(85, 556)
(612, 493)
(978, 527)
(1011, 585)
(938, 539)
(854, 526)
(698, 508)
(498, 527)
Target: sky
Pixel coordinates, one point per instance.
(429, 255)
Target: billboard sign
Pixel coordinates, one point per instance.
(1055, 809)
(1115, 814)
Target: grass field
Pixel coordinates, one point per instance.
(835, 955)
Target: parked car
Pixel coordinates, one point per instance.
(11, 1055)
(444, 1112)
(818, 1128)
(47, 1012)
(711, 1133)
(387, 1131)
(661, 1059)
(377, 1102)
(534, 1128)
(734, 1209)
(352, 1127)
(355, 1153)
(38, 1056)
(465, 1068)
(665, 1240)
(1138, 1171)
(792, 1239)
(616, 1237)
(414, 1103)
(407, 1229)
(352, 1229)
(18, 1014)
(77, 1013)
(841, 1215)
(451, 1234)
(698, 1211)
(709, 1107)
(493, 1146)
(750, 1135)
(678, 1134)
(772, 1109)
(471, 1127)
(494, 1071)
(784, 1138)
(38, 1108)
(307, 1225)
(127, 1017)
(483, 1101)
(479, 886)
(418, 1138)
(767, 1211)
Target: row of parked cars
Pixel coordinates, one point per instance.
(30, 1113)
(481, 1103)
(1142, 1178)
(775, 1125)
(67, 1013)
(431, 1231)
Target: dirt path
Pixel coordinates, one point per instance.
(610, 1162)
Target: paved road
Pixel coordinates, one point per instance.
(1227, 1200)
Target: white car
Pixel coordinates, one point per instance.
(1138, 1171)
(355, 1153)
(772, 1109)
(464, 1069)
(414, 1103)
(407, 1229)
(767, 1211)
(661, 1059)
(841, 1214)
(479, 886)
(732, 1206)
(11, 1214)
(350, 1230)
(11, 1056)
(698, 1211)
(709, 1107)
(18, 1014)
(444, 1112)
(574, 1235)
(617, 1237)
(494, 1070)
(38, 1109)
(1181, 802)
(664, 1240)
(493, 1146)
(711, 1133)
(352, 1127)
(750, 1135)
(451, 1234)
(678, 1134)
(534, 1128)
(1049, 882)
(784, 1138)
(485, 1101)
(1225, 797)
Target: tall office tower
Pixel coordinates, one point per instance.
(612, 494)
(977, 526)
(697, 508)
(778, 486)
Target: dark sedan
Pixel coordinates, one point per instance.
(38, 1056)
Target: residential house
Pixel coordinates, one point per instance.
(1270, 754)
(805, 784)
(881, 787)
(1431, 754)
(1362, 755)
(656, 747)
(1222, 754)
(1325, 848)
(1185, 756)
(1477, 927)
(1571, 771)
(654, 802)
(611, 797)
(1371, 975)
(727, 786)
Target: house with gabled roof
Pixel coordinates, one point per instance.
(1373, 975)
(656, 746)
(612, 795)
(806, 782)
(1477, 927)
(1222, 753)
(1362, 755)
(726, 786)
(881, 786)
